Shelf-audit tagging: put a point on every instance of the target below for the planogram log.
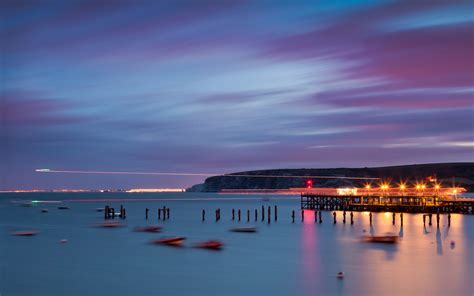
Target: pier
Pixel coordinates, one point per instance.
(387, 203)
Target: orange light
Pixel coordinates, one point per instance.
(437, 186)
(402, 187)
(367, 187)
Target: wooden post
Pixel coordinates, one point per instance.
(401, 219)
(203, 215)
(121, 211)
(238, 214)
(113, 213)
(393, 218)
(437, 220)
(124, 215)
(315, 216)
(167, 213)
(248, 215)
(269, 213)
(164, 213)
(424, 219)
(263, 213)
(320, 217)
(429, 221)
(334, 216)
(159, 214)
(302, 215)
(106, 212)
(233, 214)
(276, 213)
(217, 216)
(256, 215)
(352, 218)
(293, 216)
(449, 219)
(370, 217)
(344, 217)
(146, 213)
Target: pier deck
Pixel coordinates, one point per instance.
(392, 203)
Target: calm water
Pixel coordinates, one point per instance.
(281, 259)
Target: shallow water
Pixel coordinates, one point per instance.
(283, 258)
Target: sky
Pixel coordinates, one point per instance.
(224, 86)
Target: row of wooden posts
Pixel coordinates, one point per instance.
(239, 214)
(164, 214)
(110, 212)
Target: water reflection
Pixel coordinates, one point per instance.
(439, 243)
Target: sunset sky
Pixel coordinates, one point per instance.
(225, 86)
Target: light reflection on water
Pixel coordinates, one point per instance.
(281, 259)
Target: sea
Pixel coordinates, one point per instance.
(72, 256)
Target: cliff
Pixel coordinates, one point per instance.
(463, 173)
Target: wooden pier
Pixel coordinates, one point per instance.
(387, 203)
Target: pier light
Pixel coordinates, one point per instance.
(423, 186)
(309, 184)
(367, 187)
(402, 187)
(436, 186)
(418, 186)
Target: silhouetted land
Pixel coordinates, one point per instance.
(444, 172)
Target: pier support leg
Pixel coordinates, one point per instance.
(269, 214)
(167, 213)
(352, 218)
(233, 214)
(256, 215)
(370, 218)
(302, 215)
(106, 212)
(344, 217)
(276, 213)
(146, 213)
(429, 221)
(248, 215)
(203, 215)
(393, 218)
(401, 219)
(320, 217)
(437, 220)
(315, 216)
(164, 213)
(424, 219)
(238, 214)
(449, 219)
(159, 214)
(263, 213)
(334, 216)
(293, 216)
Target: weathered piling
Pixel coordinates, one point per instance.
(167, 213)
(401, 219)
(276, 213)
(263, 213)
(218, 214)
(315, 216)
(334, 216)
(424, 219)
(248, 215)
(113, 213)
(429, 216)
(449, 219)
(269, 215)
(121, 211)
(238, 214)
(437, 220)
(159, 214)
(146, 213)
(302, 215)
(233, 214)
(320, 217)
(393, 218)
(164, 213)
(344, 217)
(256, 215)
(124, 213)
(203, 215)
(106, 212)
(370, 218)
(352, 218)
(293, 216)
